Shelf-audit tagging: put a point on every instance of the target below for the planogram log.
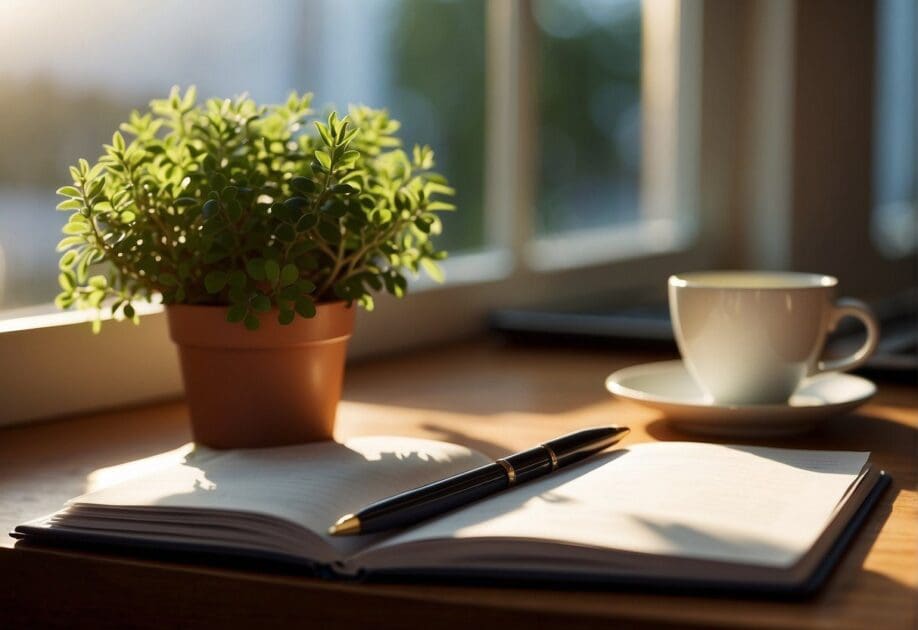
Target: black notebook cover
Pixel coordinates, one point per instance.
(38, 536)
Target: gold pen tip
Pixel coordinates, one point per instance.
(347, 524)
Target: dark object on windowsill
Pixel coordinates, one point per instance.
(896, 357)
(647, 326)
(644, 326)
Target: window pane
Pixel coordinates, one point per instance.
(589, 96)
(437, 60)
(68, 77)
(895, 216)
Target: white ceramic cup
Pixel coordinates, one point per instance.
(751, 337)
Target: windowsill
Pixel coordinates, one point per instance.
(582, 248)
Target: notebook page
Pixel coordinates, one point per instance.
(752, 505)
(311, 484)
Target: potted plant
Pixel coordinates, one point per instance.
(258, 231)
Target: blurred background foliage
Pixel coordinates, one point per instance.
(589, 95)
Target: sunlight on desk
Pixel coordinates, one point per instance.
(111, 475)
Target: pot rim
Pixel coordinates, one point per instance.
(205, 326)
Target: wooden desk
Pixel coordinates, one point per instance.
(492, 398)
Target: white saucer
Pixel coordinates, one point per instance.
(668, 387)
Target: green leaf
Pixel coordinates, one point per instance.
(307, 222)
(236, 313)
(305, 307)
(229, 194)
(324, 133)
(63, 301)
(305, 286)
(303, 185)
(127, 216)
(67, 281)
(189, 98)
(98, 282)
(435, 188)
(82, 266)
(323, 158)
(238, 295)
(251, 322)
(423, 225)
(433, 269)
(399, 285)
(96, 297)
(349, 136)
(70, 204)
(68, 259)
(272, 271)
(95, 188)
(236, 279)
(289, 274)
(129, 311)
(68, 191)
(118, 142)
(215, 281)
(210, 208)
(69, 241)
(296, 203)
(76, 228)
(330, 232)
(255, 267)
(260, 303)
(285, 316)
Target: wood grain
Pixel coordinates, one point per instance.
(496, 399)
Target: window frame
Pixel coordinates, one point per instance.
(88, 372)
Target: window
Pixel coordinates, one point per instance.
(423, 60)
(895, 215)
(589, 113)
(569, 158)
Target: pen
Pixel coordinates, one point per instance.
(444, 495)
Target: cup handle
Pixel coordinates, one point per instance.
(848, 307)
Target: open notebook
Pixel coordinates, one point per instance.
(678, 514)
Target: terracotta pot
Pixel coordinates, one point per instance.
(273, 386)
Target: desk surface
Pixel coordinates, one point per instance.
(493, 398)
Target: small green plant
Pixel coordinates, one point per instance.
(252, 207)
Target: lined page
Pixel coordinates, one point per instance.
(310, 485)
(758, 506)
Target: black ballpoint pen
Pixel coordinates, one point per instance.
(444, 495)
